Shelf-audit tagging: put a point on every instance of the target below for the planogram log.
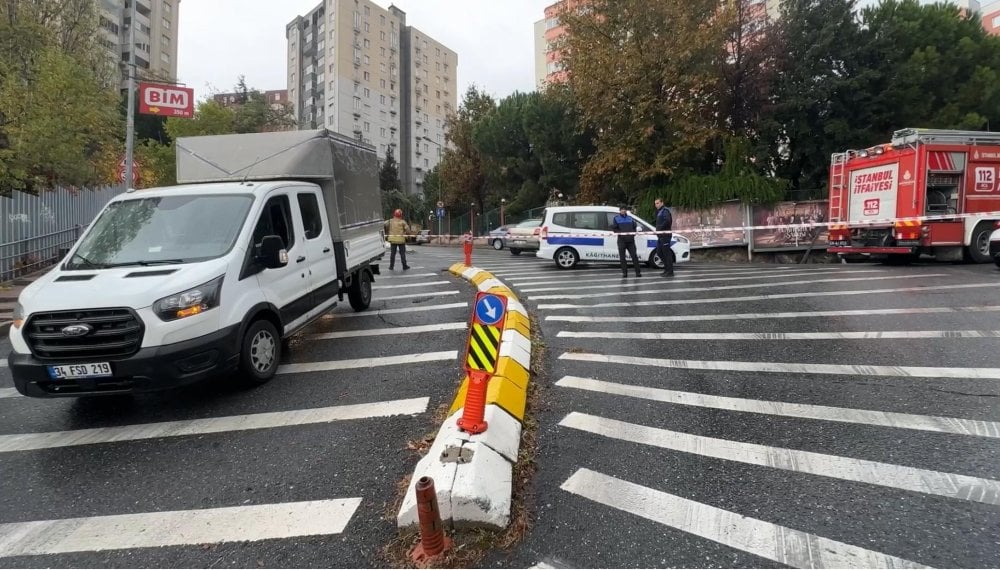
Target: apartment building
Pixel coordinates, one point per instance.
(276, 97)
(548, 32)
(359, 69)
(155, 36)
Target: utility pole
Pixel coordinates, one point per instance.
(130, 121)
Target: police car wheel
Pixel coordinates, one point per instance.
(498, 244)
(567, 258)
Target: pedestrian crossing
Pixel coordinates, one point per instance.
(826, 416)
(314, 454)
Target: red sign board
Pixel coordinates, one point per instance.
(120, 172)
(166, 100)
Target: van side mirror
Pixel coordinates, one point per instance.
(272, 254)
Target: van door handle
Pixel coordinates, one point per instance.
(326, 250)
(300, 259)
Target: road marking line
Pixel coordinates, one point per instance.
(731, 287)
(852, 335)
(406, 275)
(781, 544)
(609, 270)
(411, 285)
(940, 424)
(951, 485)
(381, 312)
(3, 363)
(48, 440)
(416, 295)
(792, 367)
(786, 315)
(769, 297)
(389, 331)
(367, 362)
(9, 393)
(173, 528)
(609, 275)
(681, 280)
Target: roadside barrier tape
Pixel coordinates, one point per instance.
(840, 224)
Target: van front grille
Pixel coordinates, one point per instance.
(85, 334)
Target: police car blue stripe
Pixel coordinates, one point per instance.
(567, 240)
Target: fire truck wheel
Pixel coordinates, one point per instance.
(979, 246)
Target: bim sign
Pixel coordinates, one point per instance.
(166, 100)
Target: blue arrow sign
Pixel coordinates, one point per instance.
(489, 309)
(440, 212)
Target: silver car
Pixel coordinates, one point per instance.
(524, 237)
(497, 238)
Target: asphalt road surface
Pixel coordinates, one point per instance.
(299, 472)
(764, 416)
(733, 416)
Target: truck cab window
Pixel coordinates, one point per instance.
(311, 218)
(275, 220)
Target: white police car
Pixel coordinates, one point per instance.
(578, 234)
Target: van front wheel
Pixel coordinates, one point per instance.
(567, 258)
(260, 353)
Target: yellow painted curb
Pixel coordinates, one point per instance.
(501, 392)
(518, 322)
(512, 370)
(482, 277)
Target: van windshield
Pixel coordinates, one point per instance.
(157, 231)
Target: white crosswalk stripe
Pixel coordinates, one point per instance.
(383, 312)
(851, 335)
(173, 528)
(411, 285)
(780, 315)
(806, 411)
(394, 360)
(33, 441)
(646, 281)
(416, 295)
(9, 393)
(769, 297)
(949, 485)
(389, 331)
(781, 544)
(725, 287)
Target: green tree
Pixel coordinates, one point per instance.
(58, 121)
(255, 114)
(461, 169)
(393, 197)
(559, 143)
(645, 75)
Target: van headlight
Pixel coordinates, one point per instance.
(189, 303)
(18, 316)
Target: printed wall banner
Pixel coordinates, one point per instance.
(783, 213)
(696, 225)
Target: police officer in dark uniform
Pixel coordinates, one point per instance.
(664, 223)
(626, 223)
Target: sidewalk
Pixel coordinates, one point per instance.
(9, 292)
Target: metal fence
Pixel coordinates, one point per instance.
(36, 231)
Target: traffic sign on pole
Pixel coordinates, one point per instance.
(488, 318)
(440, 213)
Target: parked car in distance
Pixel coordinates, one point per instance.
(524, 236)
(423, 236)
(497, 238)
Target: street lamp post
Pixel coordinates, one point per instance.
(502, 202)
(472, 220)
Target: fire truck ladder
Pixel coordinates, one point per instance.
(929, 136)
(838, 171)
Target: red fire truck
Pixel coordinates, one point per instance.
(928, 191)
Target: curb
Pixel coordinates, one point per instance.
(473, 474)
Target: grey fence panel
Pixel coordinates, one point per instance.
(36, 231)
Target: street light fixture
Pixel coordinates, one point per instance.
(502, 202)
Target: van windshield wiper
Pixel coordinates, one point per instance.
(147, 262)
(87, 262)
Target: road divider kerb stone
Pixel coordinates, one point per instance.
(473, 474)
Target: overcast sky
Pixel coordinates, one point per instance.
(221, 39)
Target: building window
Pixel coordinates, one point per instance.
(996, 21)
(427, 163)
(367, 43)
(164, 57)
(392, 86)
(382, 18)
(383, 52)
(165, 41)
(367, 76)
(357, 21)
(381, 132)
(368, 92)
(166, 24)
(437, 51)
(357, 102)
(382, 83)
(551, 23)
(381, 36)
(368, 11)
(368, 127)
(367, 61)
(333, 85)
(166, 7)
(367, 27)
(438, 94)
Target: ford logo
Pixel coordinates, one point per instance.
(77, 330)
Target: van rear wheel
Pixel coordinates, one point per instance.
(360, 292)
(260, 353)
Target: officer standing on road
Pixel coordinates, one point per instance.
(664, 223)
(624, 223)
(397, 229)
